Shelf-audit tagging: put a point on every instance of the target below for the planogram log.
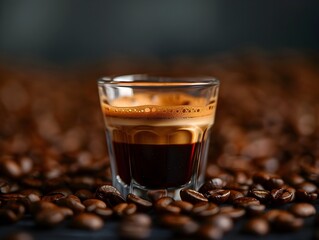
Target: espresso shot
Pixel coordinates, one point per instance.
(158, 132)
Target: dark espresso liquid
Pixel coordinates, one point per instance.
(156, 165)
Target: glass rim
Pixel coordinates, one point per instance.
(146, 80)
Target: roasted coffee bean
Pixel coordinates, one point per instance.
(208, 231)
(294, 179)
(87, 221)
(41, 205)
(174, 221)
(84, 194)
(32, 182)
(139, 219)
(261, 178)
(243, 188)
(53, 197)
(302, 210)
(205, 210)
(49, 218)
(307, 186)
(218, 196)
(212, 184)
(72, 202)
(257, 226)
(67, 212)
(304, 196)
(180, 224)
(192, 196)
(255, 210)
(233, 194)
(274, 182)
(11, 197)
(19, 236)
(124, 209)
(104, 213)
(17, 208)
(272, 214)
(163, 205)
(286, 223)
(245, 201)
(221, 221)
(263, 196)
(92, 204)
(4, 186)
(185, 207)
(142, 204)
(199, 207)
(7, 216)
(234, 213)
(136, 226)
(28, 191)
(109, 194)
(154, 195)
(282, 195)
(64, 191)
(10, 167)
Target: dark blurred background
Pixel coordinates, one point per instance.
(77, 31)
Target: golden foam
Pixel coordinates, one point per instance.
(163, 105)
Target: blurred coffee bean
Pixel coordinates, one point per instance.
(218, 196)
(233, 194)
(282, 195)
(84, 194)
(192, 196)
(49, 218)
(245, 201)
(4, 186)
(203, 210)
(255, 210)
(174, 221)
(10, 167)
(154, 195)
(29, 191)
(8, 216)
(302, 210)
(304, 196)
(163, 205)
(263, 196)
(64, 191)
(32, 182)
(141, 204)
(92, 204)
(208, 231)
(87, 221)
(287, 223)
(52, 197)
(72, 202)
(257, 226)
(185, 207)
(273, 182)
(109, 194)
(104, 213)
(294, 179)
(261, 178)
(223, 222)
(212, 184)
(307, 186)
(136, 226)
(19, 236)
(38, 206)
(234, 213)
(124, 209)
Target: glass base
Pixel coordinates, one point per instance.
(141, 191)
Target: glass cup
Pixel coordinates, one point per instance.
(157, 131)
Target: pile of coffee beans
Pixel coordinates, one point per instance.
(263, 166)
